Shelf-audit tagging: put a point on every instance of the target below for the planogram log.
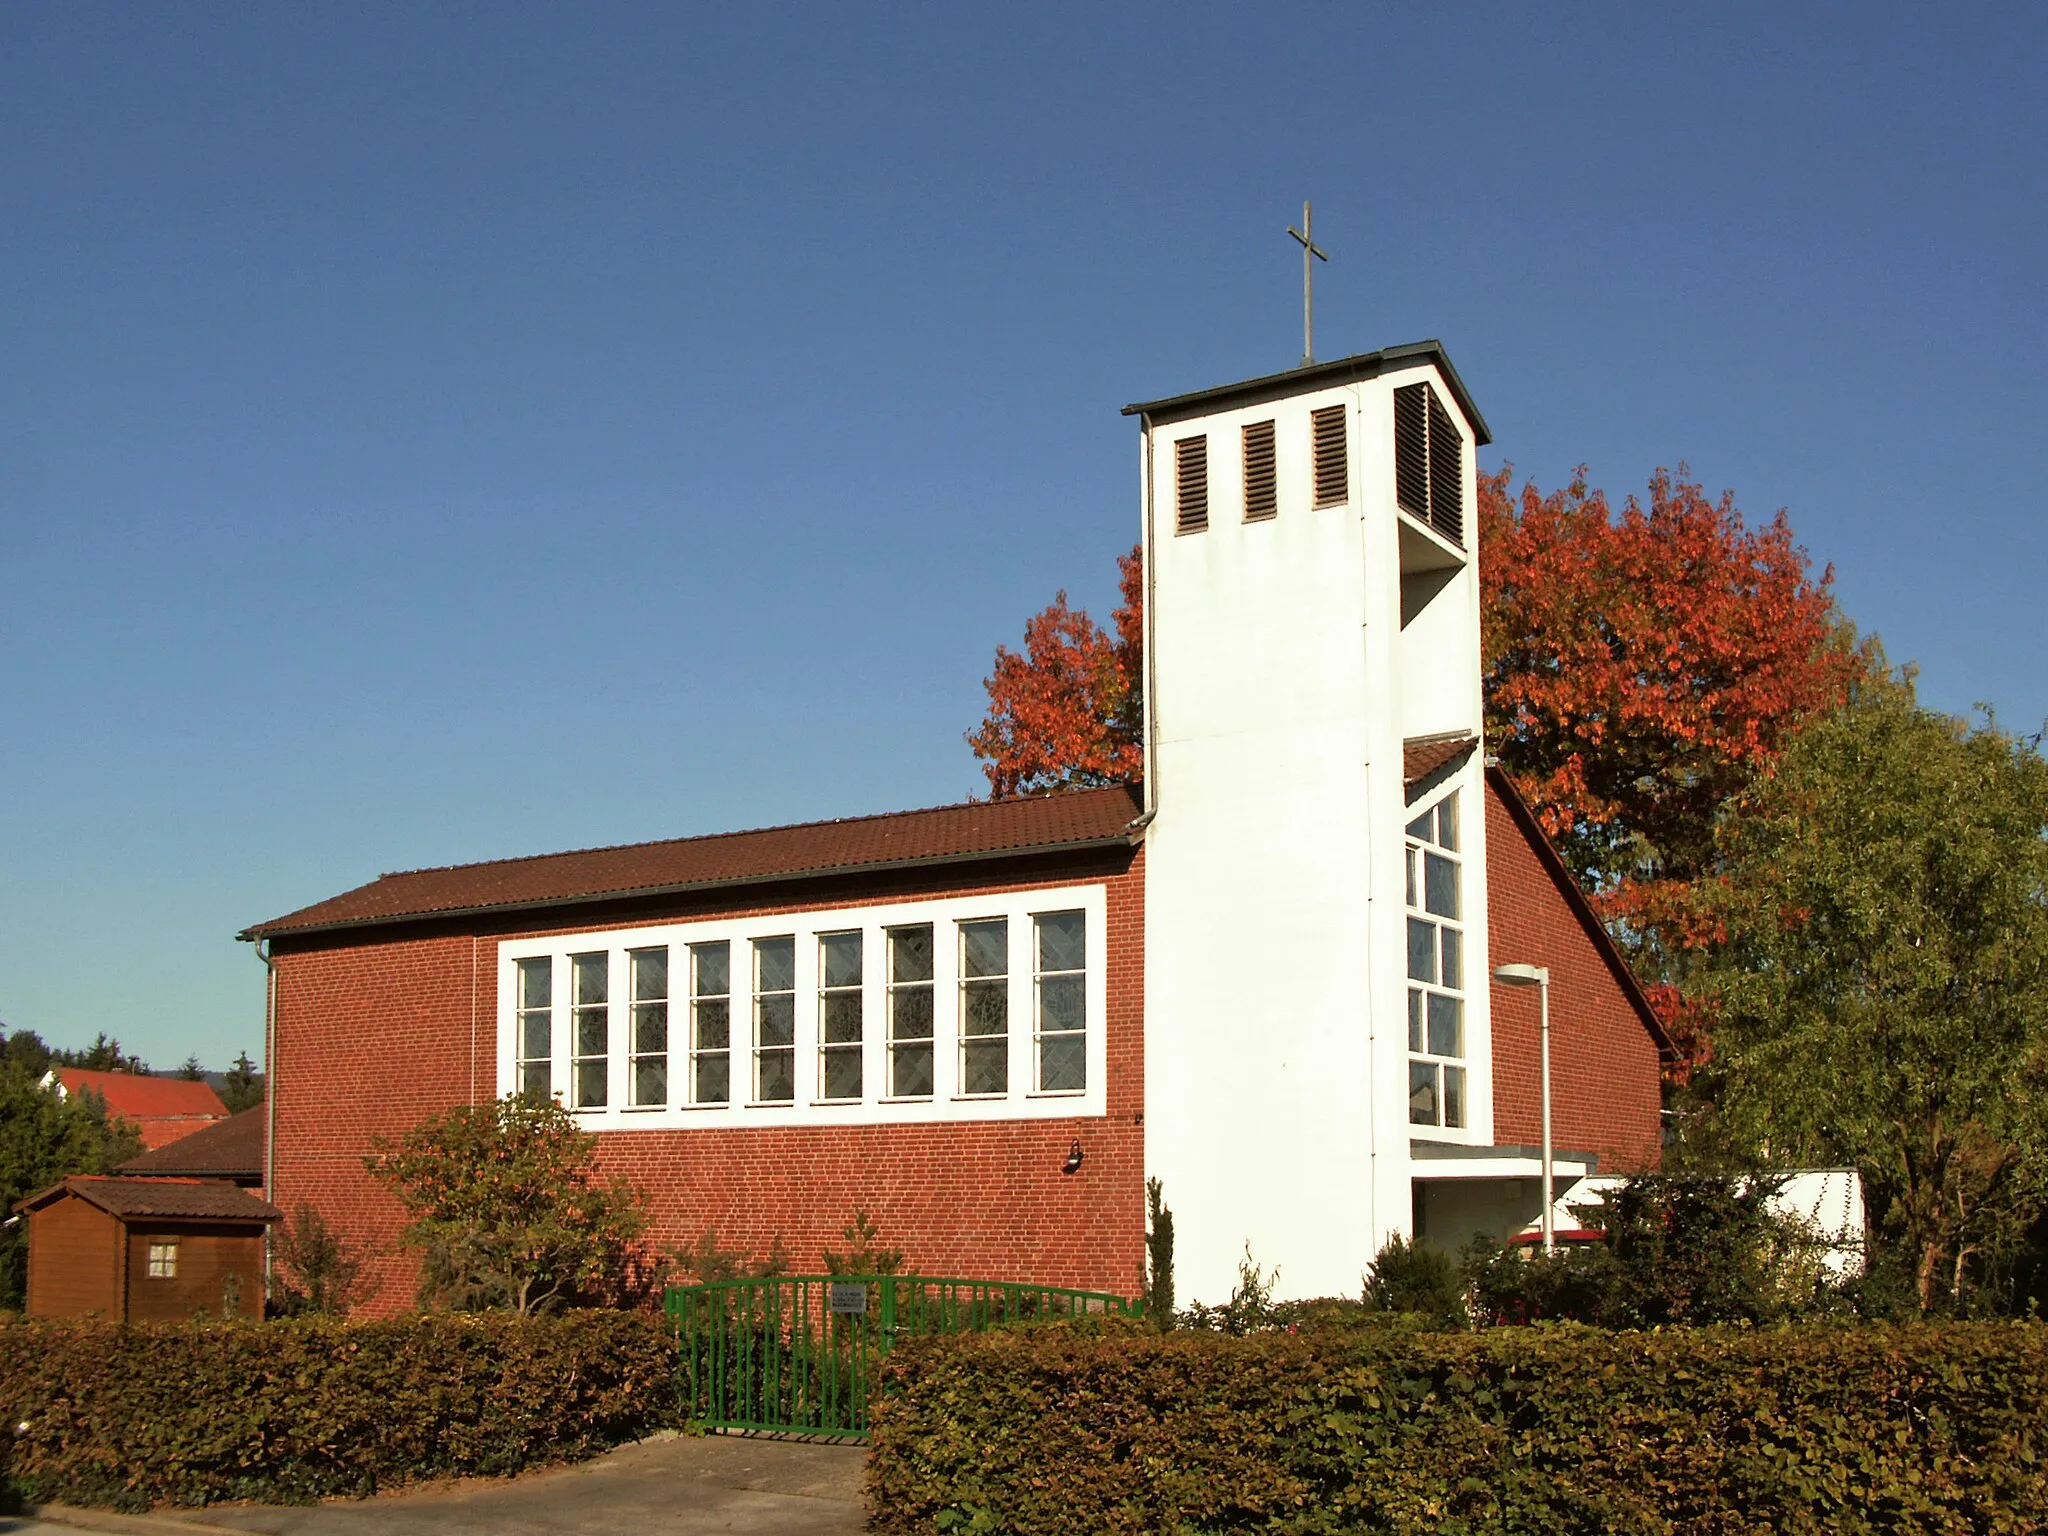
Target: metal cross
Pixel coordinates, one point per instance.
(1309, 248)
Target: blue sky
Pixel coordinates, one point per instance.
(434, 432)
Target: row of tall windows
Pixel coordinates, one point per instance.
(765, 1052)
(1436, 968)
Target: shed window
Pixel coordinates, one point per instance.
(163, 1261)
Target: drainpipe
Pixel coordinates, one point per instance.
(269, 1096)
(1151, 626)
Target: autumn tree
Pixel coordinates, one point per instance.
(1880, 985)
(1067, 711)
(508, 1211)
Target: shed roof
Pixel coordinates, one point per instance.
(981, 830)
(171, 1199)
(230, 1148)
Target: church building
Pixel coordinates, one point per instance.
(1262, 976)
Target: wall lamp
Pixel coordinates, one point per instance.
(1073, 1162)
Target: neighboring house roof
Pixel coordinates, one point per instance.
(227, 1149)
(166, 1199)
(1064, 822)
(138, 1096)
(1575, 898)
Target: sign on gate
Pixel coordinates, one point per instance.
(849, 1300)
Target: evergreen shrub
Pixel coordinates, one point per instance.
(128, 1416)
(1557, 1428)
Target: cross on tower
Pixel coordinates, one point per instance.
(1309, 248)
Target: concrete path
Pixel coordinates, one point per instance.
(671, 1485)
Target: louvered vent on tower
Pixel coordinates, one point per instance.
(1261, 485)
(1333, 478)
(1429, 461)
(1191, 485)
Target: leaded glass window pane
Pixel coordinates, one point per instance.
(985, 948)
(650, 1081)
(775, 962)
(535, 981)
(1419, 828)
(839, 959)
(1447, 822)
(985, 1066)
(1421, 1093)
(1062, 1002)
(1063, 1064)
(1414, 1020)
(1454, 1096)
(650, 973)
(842, 1075)
(1062, 941)
(910, 954)
(1446, 1025)
(1452, 941)
(1421, 950)
(842, 1018)
(910, 1071)
(1440, 885)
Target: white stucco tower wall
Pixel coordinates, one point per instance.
(1275, 1037)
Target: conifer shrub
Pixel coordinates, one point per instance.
(1395, 1428)
(130, 1416)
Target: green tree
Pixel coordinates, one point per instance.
(317, 1270)
(103, 1055)
(25, 1049)
(1880, 984)
(44, 1138)
(508, 1210)
(192, 1071)
(242, 1085)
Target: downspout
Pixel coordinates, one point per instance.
(1151, 624)
(269, 1096)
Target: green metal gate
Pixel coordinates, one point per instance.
(798, 1353)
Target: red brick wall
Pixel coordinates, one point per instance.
(1604, 1079)
(374, 1036)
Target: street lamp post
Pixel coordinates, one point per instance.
(1538, 976)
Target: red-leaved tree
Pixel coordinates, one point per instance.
(1641, 667)
(1067, 712)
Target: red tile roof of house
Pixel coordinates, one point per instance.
(227, 1149)
(174, 1199)
(1423, 755)
(138, 1096)
(1076, 819)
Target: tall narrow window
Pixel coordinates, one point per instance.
(1332, 458)
(910, 1012)
(1436, 968)
(839, 1015)
(648, 1075)
(1429, 461)
(1060, 982)
(534, 1028)
(1261, 481)
(1191, 485)
(985, 1006)
(710, 1023)
(590, 1027)
(775, 1020)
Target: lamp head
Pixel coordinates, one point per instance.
(1522, 975)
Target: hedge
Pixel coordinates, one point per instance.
(133, 1415)
(1553, 1429)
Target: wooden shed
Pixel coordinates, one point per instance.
(145, 1249)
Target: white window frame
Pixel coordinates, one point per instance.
(635, 1004)
(764, 1051)
(1415, 854)
(945, 1103)
(161, 1262)
(855, 992)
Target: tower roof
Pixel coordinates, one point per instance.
(1296, 381)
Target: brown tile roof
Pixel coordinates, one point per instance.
(1076, 819)
(191, 1199)
(1423, 755)
(137, 1095)
(230, 1148)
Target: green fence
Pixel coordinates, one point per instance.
(797, 1353)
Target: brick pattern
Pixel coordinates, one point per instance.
(1604, 1080)
(374, 1033)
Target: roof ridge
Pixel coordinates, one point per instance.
(787, 826)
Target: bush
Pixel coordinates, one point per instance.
(1416, 1279)
(1049, 1432)
(128, 1416)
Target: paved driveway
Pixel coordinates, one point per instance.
(671, 1485)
